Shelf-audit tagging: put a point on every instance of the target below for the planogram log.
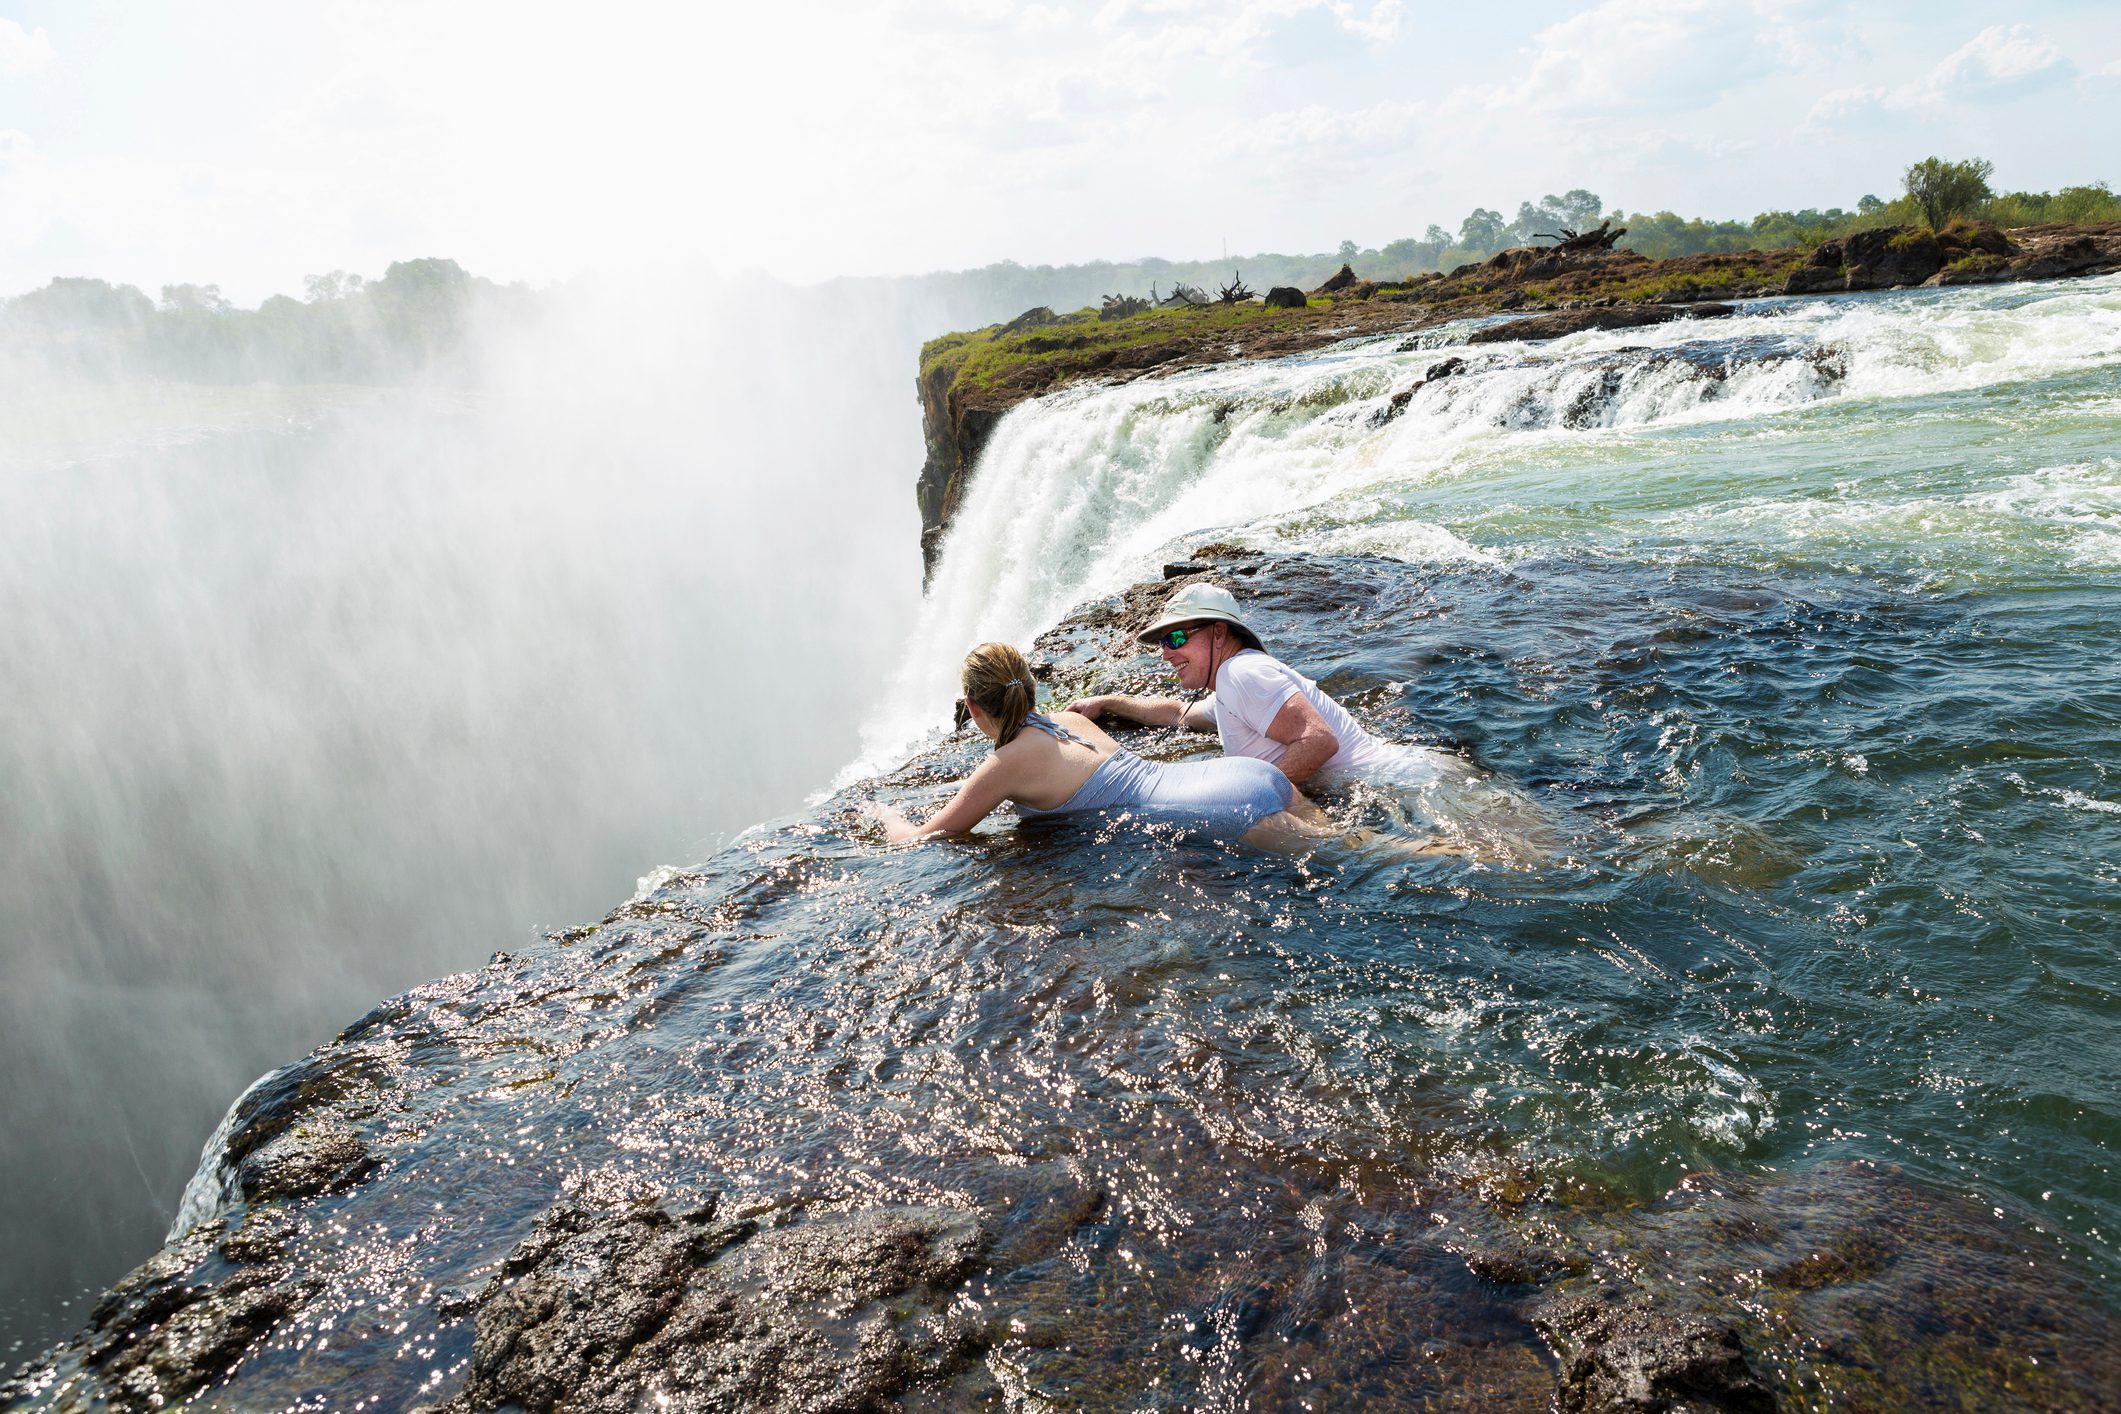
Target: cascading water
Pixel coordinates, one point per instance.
(313, 692)
(1077, 493)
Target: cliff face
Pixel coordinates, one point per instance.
(968, 381)
(956, 429)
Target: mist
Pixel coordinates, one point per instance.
(315, 692)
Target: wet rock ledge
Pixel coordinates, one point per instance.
(517, 1190)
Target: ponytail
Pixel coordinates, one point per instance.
(999, 680)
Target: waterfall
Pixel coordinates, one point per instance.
(1085, 490)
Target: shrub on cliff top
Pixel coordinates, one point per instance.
(1947, 189)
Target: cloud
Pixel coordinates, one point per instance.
(2002, 62)
(22, 50)
(1316, 125)
(1650, 55)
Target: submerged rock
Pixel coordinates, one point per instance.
(1620, 1356)
(175, 1324)
(648, 1307)
(304, 1161)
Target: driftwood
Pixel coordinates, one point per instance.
(1120, 306)
(1183, 296)
(1569, 241)
(1236, 290)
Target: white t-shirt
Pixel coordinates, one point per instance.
(1252, 687)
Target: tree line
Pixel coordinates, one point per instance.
(348, 330)
(416, 316)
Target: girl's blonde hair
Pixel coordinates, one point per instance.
(999, 680)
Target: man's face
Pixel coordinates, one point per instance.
(1195, 659)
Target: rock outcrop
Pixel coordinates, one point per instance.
(1960, 254)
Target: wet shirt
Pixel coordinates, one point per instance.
(1251, 688)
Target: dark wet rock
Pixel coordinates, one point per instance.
(955, 440)
(1285, 297)
(1437, 372)
(1975, 270)
(1336, 1265)
(1523, 1264)
(1962, 253)
(1857, 1254)
(1576, 321)
(263, 1237)
(306, 1160)
(172, 1326)
(1619, 1356)
(597, 1312)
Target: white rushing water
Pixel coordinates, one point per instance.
(1084, 491)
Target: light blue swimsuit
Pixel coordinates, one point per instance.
(1233, 792)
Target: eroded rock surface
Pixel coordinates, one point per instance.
(597, 1312)
(1625, 1357)
(306, 1160)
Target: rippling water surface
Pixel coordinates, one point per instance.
(1802, 624)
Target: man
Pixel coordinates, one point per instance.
(1257, 704)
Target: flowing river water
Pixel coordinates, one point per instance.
(1800, 625)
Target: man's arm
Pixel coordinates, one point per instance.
(1309, 743)
(1149, 711)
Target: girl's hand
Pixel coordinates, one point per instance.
(897, 827)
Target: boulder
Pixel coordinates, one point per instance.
(1285, 297)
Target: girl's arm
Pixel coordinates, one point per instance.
(985, 788)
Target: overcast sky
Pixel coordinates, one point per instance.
(250, 142)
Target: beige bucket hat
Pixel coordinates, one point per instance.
(1194, 604)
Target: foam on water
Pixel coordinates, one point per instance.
(1084, 491)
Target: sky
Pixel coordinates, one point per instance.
(248, 143)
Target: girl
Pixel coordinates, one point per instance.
(1063, 764)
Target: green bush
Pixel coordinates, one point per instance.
(1946, 189)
